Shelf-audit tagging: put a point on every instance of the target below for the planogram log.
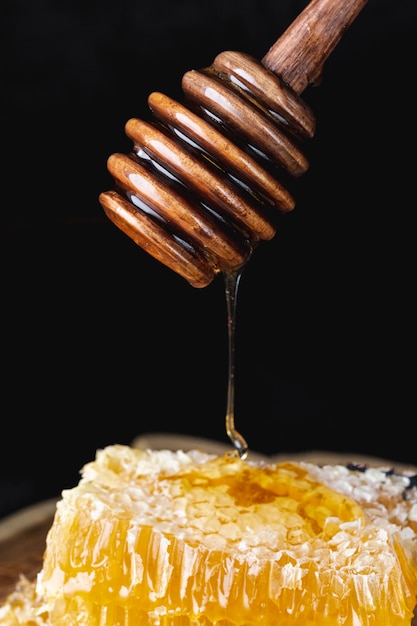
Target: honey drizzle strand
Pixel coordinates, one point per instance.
(232, 280)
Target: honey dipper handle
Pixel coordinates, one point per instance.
(299, 54)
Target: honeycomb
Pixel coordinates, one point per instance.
(161, 538)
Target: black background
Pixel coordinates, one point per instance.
(101, 343)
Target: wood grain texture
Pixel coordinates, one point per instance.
(22, 543)
(299, 54)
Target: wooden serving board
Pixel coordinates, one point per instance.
(22, 543)
(23, 534)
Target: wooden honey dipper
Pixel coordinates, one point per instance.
(206, 180)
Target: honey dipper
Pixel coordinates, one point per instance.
(206, 179)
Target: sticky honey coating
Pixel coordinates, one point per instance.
(160, 538)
